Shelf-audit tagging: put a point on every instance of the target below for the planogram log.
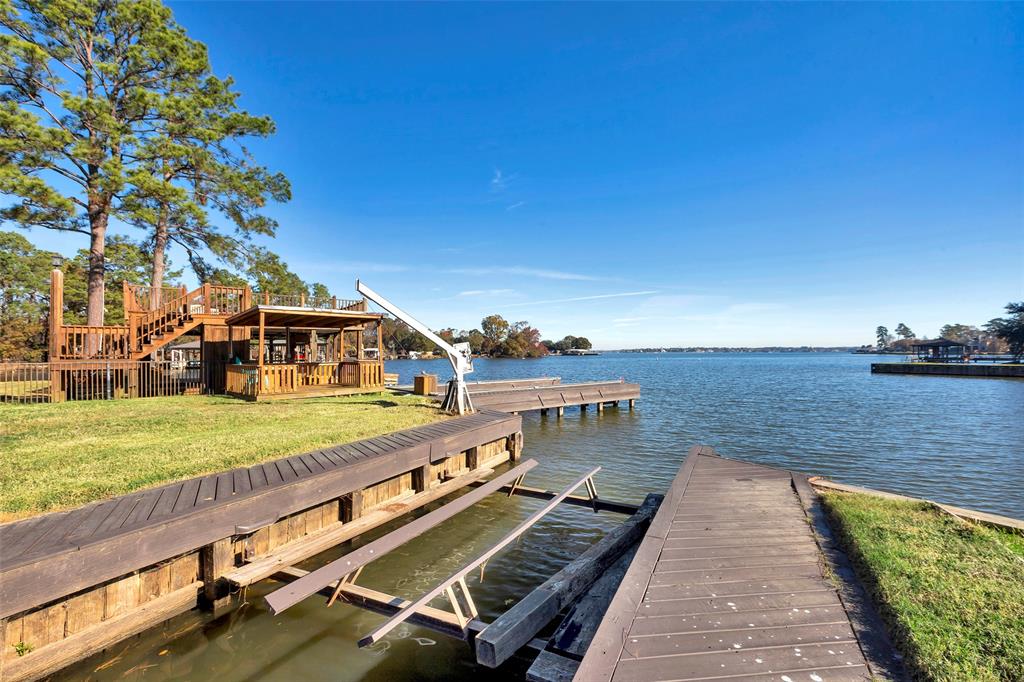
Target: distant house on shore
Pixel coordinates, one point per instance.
(941, 350)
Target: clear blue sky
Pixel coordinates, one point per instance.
(646, 174)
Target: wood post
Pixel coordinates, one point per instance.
(352, 506)
(560, 412)
(473, 457)
(631, 402)
(421, 478)
(216, 559)
(515, 446)
(543, 411)
(259, 367)
(600, 407)
(583, 407)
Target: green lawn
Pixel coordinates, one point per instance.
(66, 454)
(952, 592)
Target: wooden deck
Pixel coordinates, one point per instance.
(730, 583)
(47, 557)
(525, 397)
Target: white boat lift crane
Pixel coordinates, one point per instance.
(456, 399)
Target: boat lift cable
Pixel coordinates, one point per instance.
(456, 399)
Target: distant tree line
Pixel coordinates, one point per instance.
(998, 335)
(496, 337)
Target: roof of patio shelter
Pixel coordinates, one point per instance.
(286, 316)
(939, 343)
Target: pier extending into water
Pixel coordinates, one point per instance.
(75, 582)
(738, 576)
(950, 369)
(549, 394)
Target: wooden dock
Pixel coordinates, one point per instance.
(736, 578)
(524, 397)
(949, 369)
(74, 582)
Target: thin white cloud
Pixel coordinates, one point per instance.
(486, 292)
(352, 266)
(523, 272)
(574, 299)
(514, 206)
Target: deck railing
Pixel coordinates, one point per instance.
(244, 380)
(31, 382)
(81, 342)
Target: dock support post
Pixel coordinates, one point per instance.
(352, 506)
(560, 412)
(515, 446)
(473, 458)
(600, 407)
(543, 411)
(631, 404)
(583, 408)
(216, 559)
(421, 479)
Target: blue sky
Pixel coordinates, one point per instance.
(663, 174)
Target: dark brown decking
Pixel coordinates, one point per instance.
(50, 556)
(727, 583)
(540, 397)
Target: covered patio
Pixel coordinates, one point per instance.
(941, 350)
(303, 352)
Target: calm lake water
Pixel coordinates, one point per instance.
(956, 440)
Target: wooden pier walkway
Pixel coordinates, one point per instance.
(525, 397)
(737, 578)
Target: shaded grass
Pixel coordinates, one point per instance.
(56, 456)
(952, 592)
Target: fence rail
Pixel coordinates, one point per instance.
(81, 342)
(39, 382)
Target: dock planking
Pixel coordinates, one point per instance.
(729, 582)
(523, 398)
(47, 557)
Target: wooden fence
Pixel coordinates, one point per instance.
(41, 382)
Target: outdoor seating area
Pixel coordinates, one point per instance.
(941, 350)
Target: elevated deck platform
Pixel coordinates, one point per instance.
(732, 581)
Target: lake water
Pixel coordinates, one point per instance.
(955, 440)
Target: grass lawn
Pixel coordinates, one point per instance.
(952, 592)
(66, 454)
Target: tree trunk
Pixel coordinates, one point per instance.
(97, 266)
(159, 262)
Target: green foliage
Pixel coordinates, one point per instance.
(108, 109)
(24, 298)
(21, 648)
(883, 337)
(1010, 329)
(126, 261)
(952, 592)
(903, 331)
(495, 330)
(965, 333)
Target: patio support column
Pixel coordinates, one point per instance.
(259, 368)
(287, 344)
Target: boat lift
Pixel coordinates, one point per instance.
(499, 640)
(456, 399)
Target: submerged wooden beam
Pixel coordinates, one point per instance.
(288, 596)
(517, 626)
(626, 508)
(385, 604)
(462, 572)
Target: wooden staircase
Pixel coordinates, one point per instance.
(171, 313)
